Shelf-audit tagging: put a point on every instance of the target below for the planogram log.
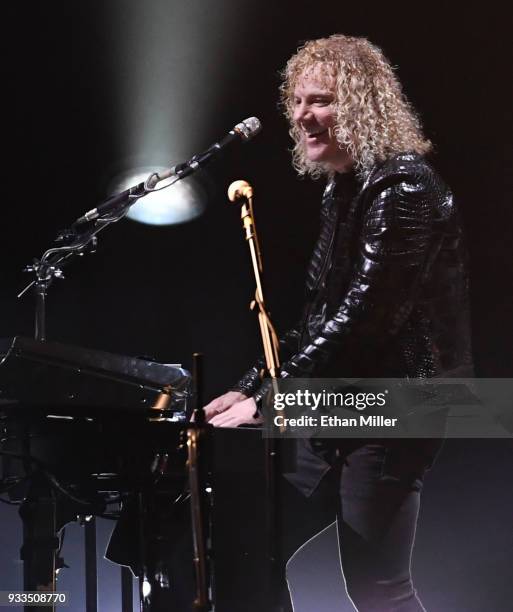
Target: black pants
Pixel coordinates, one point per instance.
(375, 491)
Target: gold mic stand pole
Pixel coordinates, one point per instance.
(242, 193)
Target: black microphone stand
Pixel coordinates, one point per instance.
(50, 265)
(79, 240)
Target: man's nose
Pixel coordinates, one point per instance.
(302, 113)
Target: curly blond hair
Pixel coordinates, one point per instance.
(374, 120)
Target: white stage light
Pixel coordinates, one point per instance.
(178, 203)
(146, 588)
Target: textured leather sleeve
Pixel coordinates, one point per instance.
(393, 251)
(251, 381)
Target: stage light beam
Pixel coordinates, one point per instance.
(169, 205)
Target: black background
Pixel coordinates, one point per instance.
(171, 291)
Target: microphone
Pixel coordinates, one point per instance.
(245, 130)
(240, 189)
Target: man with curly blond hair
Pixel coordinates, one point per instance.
(386, 297)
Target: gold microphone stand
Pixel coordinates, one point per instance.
(241, 192)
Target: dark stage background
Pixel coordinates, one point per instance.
(169, 291)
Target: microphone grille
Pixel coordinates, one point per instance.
(239, 189)
(248, 128)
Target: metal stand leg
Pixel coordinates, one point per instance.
(40, 321)
(126, 590)
(145, 594)
(40, 541)
(200, 501)
(90, 565)
(275, 574)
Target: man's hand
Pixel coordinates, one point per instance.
(222, 403)
(239, 413)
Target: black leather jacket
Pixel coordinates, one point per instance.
(386, 285)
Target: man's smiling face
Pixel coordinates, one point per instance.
(314, 115)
